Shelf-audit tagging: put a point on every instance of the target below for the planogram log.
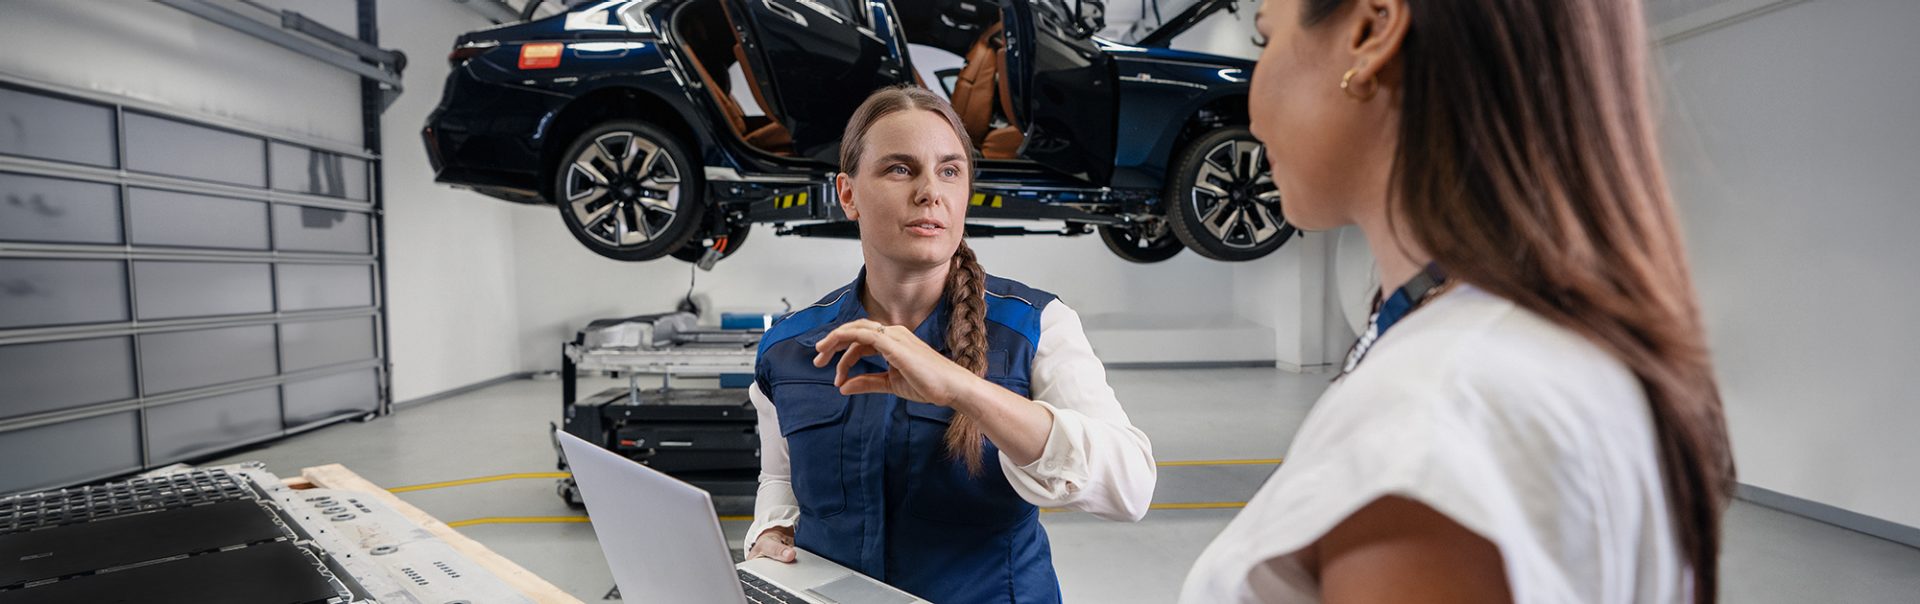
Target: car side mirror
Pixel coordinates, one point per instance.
(1089, 16)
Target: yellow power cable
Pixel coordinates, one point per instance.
(478, 480)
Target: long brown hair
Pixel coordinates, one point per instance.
(1528, 165)
(966, 288)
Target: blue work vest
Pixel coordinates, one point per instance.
(878, 492)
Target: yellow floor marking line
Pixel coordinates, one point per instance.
(552, 475)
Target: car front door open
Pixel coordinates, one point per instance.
(814, 61)
(1063, 89)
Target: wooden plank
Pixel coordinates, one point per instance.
(336, 476)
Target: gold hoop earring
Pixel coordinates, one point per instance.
(1346, 85)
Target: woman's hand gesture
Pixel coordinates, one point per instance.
(915, 370)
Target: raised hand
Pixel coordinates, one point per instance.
(915, 370)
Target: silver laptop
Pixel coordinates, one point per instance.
(663, 541)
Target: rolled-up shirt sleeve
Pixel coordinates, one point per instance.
(773, 502)
(1094, 460)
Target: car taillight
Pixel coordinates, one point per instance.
(544, 55)
(469, 50)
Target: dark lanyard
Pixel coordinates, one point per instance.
(1403, 302)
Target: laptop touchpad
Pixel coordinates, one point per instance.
(856, 588)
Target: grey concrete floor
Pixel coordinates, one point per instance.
(1191, 415)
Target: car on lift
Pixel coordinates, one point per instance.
(621, 113)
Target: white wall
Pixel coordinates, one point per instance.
(451, 304)
(1795, 157)
(153, 53)
(1294, 292)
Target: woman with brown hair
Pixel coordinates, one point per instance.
(1531, 414)
(959, 402)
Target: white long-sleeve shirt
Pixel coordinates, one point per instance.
(1094, 461)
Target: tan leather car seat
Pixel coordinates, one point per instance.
(771, 137)
(974, 87)
(1003, 142)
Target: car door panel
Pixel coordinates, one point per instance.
(1066, 98)
(816, 64)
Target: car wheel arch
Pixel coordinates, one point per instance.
(1220, 109)
(1227, 109)
(609, 102)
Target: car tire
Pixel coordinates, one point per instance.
(697, 246)
(1129, 244)
(629, 191)
(1222, 201)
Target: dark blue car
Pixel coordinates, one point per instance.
(621, 113)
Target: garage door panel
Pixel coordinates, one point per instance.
(309, 229)
(68, 452)
(319, 286)
(171, 290)
(37, 209)
(168, 147)
(309, 344)
(179, 360)
(303, 170)
(38, 377)
(48, 127)
(185, 219)
(317, 399)
(181, 430)
(42, 293)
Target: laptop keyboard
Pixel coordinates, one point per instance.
(30, 511)
(759, 591)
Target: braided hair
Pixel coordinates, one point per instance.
(967, 345)
(966, 286)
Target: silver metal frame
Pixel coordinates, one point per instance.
(277, 36)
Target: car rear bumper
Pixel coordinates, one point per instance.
(486, 137)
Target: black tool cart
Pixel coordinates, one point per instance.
(705, 436)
